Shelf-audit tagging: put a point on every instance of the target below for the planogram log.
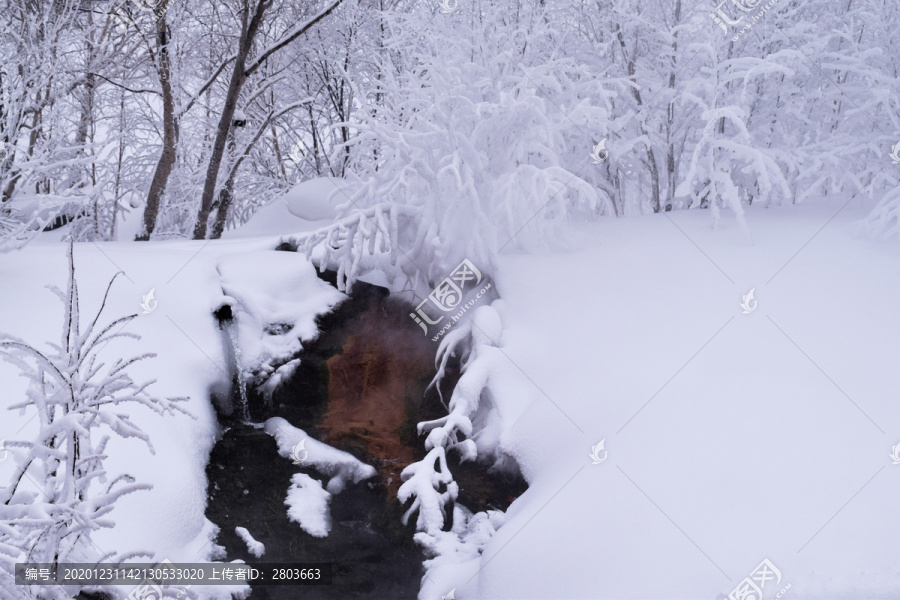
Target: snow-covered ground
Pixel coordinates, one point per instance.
(189, 281)
(731, 437)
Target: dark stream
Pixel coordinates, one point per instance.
(361, 388)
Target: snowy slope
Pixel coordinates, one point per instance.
(168, 521)
(731, 437)
(272, 220)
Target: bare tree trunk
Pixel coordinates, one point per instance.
(238, 77)
(278, 155)
(226, 194)
(315, 137)
(671, 171)
(167, 158)
(249, 30)
(651, 157)
(277, 146)
(119, 159)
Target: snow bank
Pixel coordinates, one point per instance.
(317, 199)
(270, 221)
(275, 298)
(280, 288)
(254, 547)
(341, 466)
(726, 443)
(168, 521)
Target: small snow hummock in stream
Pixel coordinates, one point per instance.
(306, 500)
(339, 465)
(308, 505)
(255, 548)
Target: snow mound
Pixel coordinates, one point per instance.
(317, 199)
(254, 547)
(729, 448)
(167, 521)
(308, 505)
(271, 220)
(275, 297)
(337, 464)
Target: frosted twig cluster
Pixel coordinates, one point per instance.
(362, 241)
(60, 492)
(430, 480)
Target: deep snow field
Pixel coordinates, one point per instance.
(729, 438)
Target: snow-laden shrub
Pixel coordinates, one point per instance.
(719, 161)
(80, 402)
(18, 228)
(458, 551)
(883, 223)
(471, 429)
(472, 156)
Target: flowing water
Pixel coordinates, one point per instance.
(360, 387)
(230, 327)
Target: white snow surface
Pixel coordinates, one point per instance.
(318, 199)
(167, 522)
(270, 221)
(254, 547)
(342, 467)
(308, 505)
(731, 437)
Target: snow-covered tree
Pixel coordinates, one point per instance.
(728, 167)
(471, 146)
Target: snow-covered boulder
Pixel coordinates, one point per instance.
(254, 547)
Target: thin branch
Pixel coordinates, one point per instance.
(206, 85)
(124, 87)
(268, 120)
(290, 37)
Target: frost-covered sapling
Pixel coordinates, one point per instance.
(59, 492)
